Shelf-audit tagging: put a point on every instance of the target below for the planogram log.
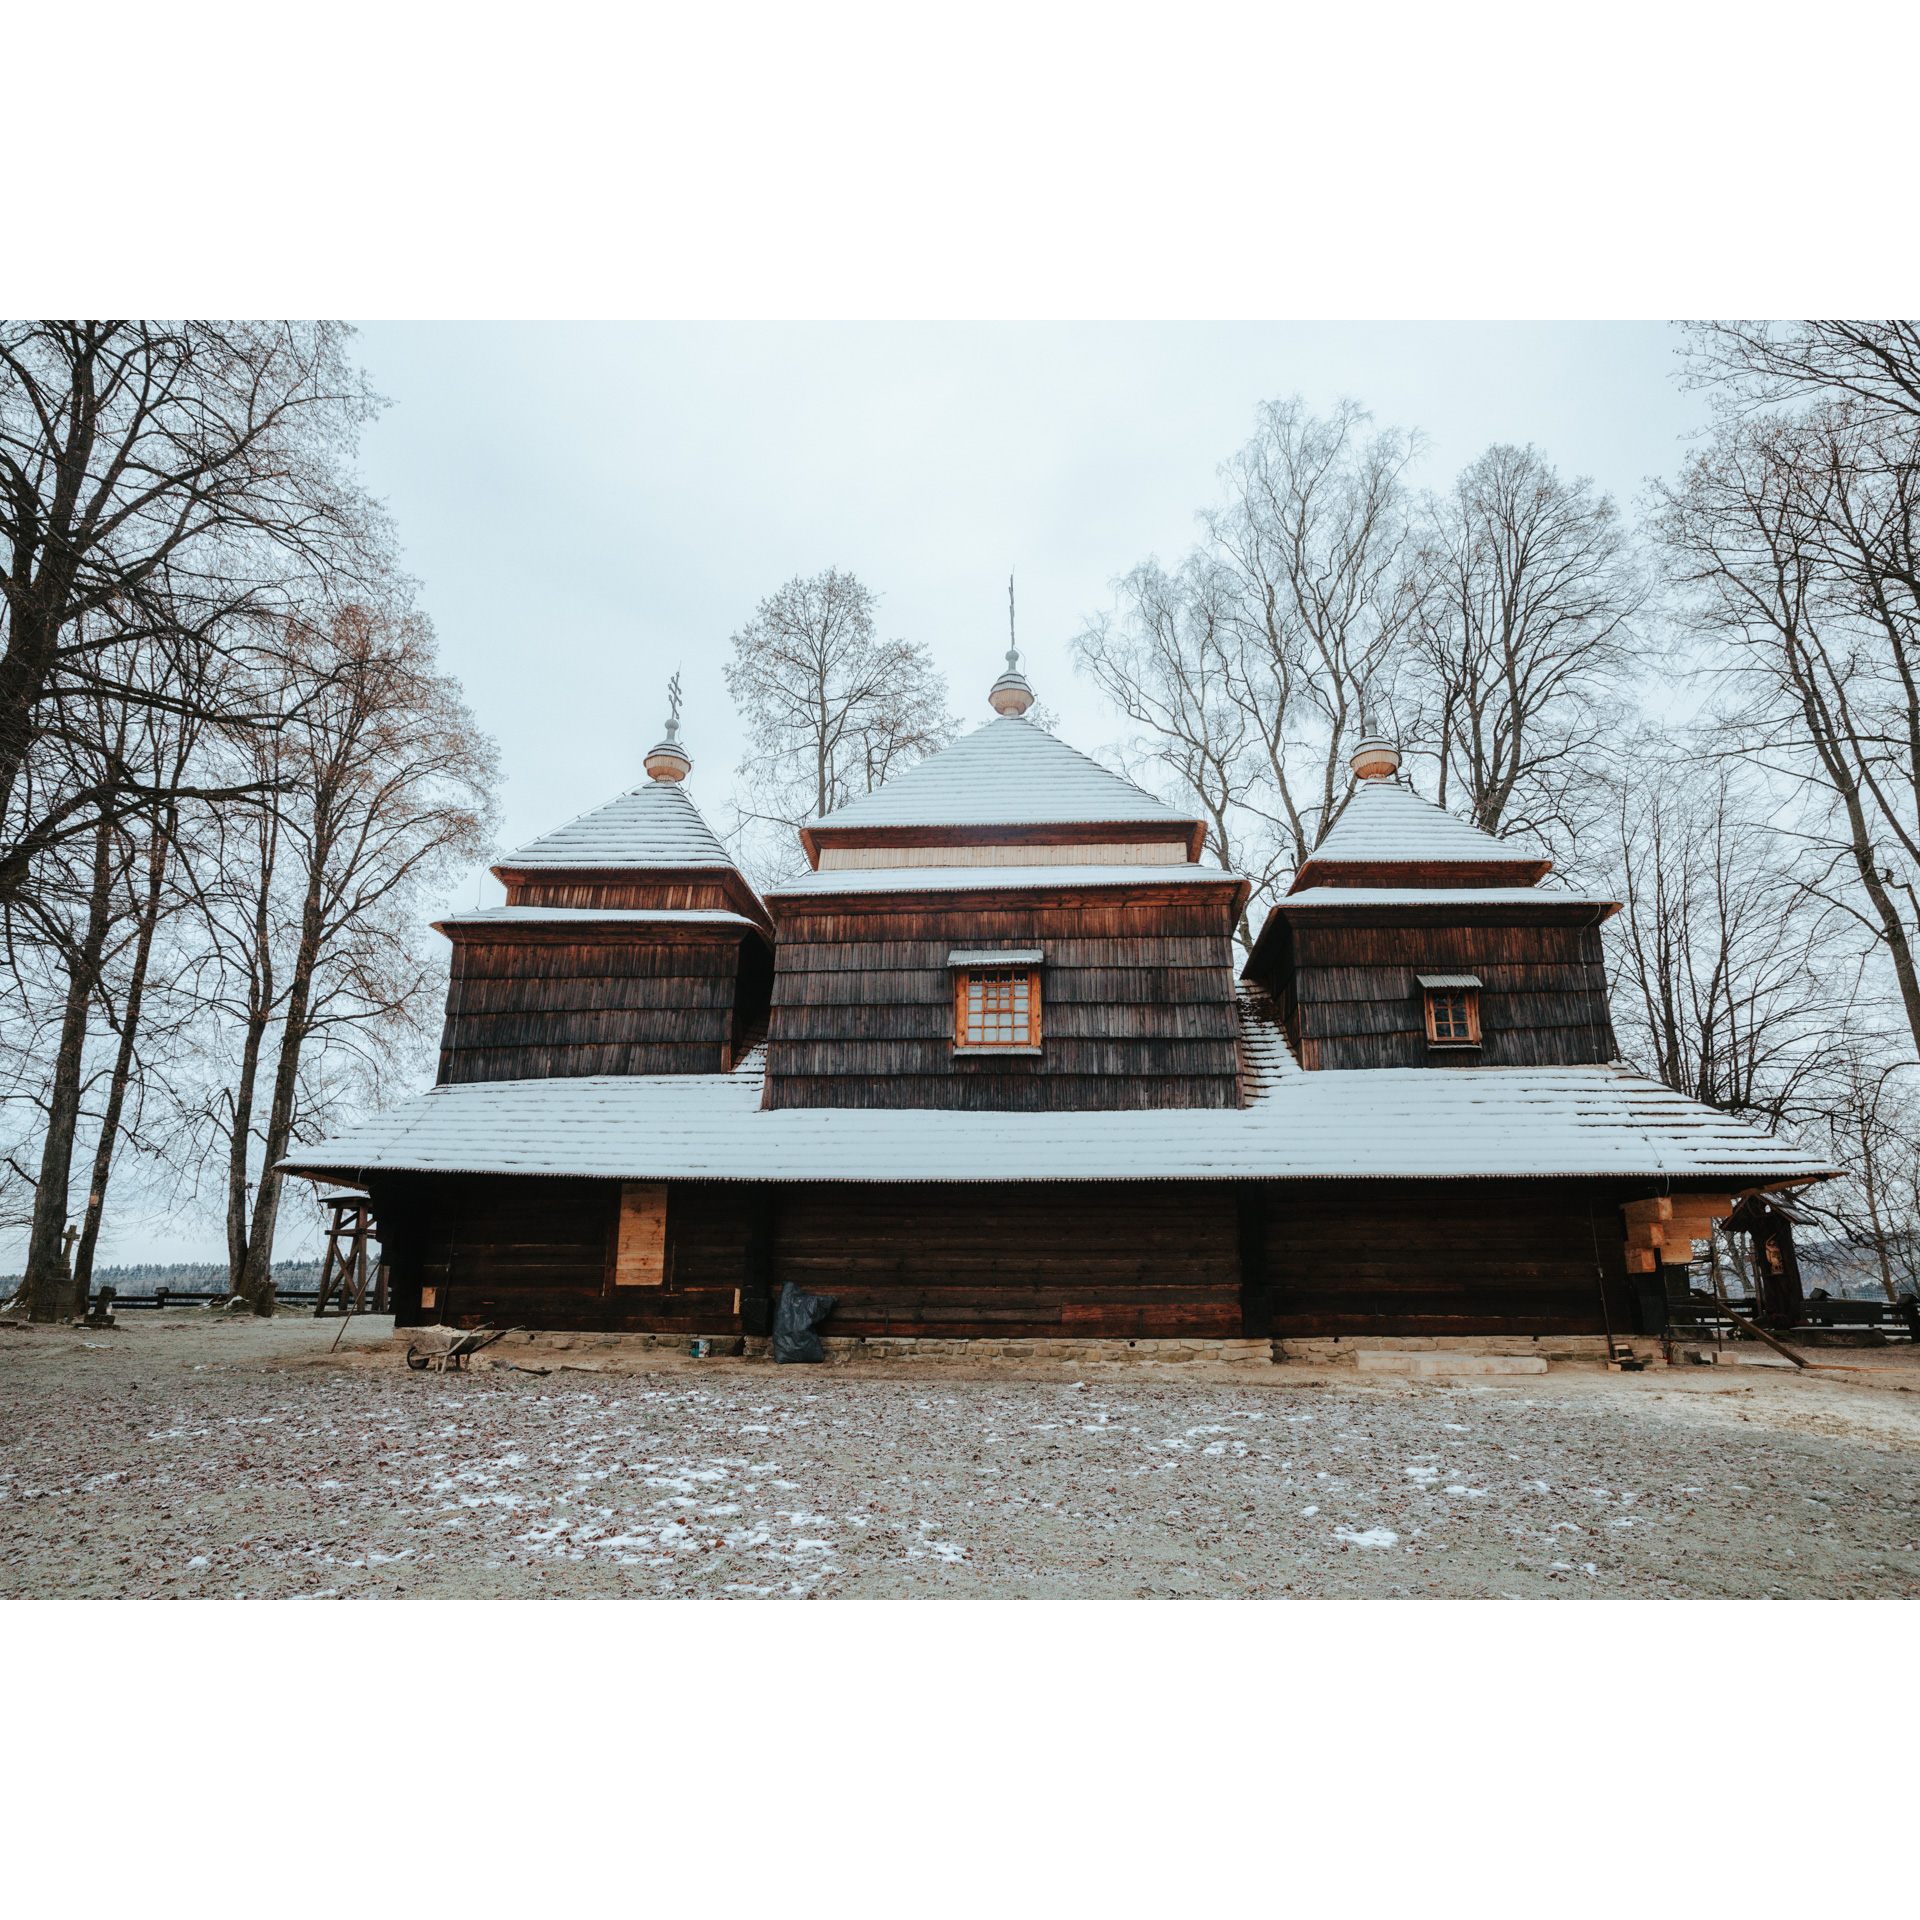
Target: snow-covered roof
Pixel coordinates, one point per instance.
(1263, 1041)
(656, 825)
(1006, 773)
(595, 916)
(1387, 821)
(1389, 1123)
(1438, 897)
(841, 880)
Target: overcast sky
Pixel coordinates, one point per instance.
(590, 507)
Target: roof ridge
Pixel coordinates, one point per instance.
(1005, 772)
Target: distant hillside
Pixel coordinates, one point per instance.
(182, 1278)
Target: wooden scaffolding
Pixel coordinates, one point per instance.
(343, 1273)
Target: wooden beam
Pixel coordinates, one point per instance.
(1655, 1233)
(1760, 1333)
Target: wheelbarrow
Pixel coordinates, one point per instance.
(444, 1347)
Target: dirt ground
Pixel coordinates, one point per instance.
(186, 1454)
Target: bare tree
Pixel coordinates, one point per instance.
(82, 947)
(1167, 659)
(131, 728)
(148, 879)
(831, 710)
(1797, 542)
(1528, 591)
(1313, 550)
(1760, 363)
(1730, 986)
(1252, 668)
(381, 787)
(1873, 1130)
(177, 683)
(211, 450)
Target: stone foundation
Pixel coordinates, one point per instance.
(1549, 1347)
(1096, 1353)
(847, 1350)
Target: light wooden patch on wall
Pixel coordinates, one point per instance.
(642, 1258)
(1152, 853)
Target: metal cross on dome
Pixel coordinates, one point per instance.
(673, 701)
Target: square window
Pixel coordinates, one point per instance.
(1453, 1016)
(997, 1007)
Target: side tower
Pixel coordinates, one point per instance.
(1412, 939)
(629, 944)
(1009, 927)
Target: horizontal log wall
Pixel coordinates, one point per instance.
(1102, 1261)
(538, 1009)
(540, 1254)
(1443, 1257)
(1137, 1009)
(1355, 1001)
(1110, 1260)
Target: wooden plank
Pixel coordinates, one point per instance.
(641, 1260)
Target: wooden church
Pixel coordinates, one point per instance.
(990, 1066)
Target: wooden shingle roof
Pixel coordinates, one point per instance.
(1388, 834)
(1385, 820)
(653, 826)
(1006, 773)
(1398, 1123)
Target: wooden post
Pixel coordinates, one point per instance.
(756, 1290)
(1256, 1294)
(326, 1266)
(360, 1259)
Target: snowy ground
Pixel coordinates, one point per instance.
(188, 1455)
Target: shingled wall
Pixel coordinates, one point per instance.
(1349, 996)
(1138, 1006)
(540, 1005)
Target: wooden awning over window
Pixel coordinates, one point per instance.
(996, 957)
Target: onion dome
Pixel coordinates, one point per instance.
(1010, 694)
(1374, 758)
(670, 760)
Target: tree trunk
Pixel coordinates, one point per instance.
(256, 1279)
(23, 678)
(238, 1139)
(160, 840)
(259, 1012)
(47, 1286)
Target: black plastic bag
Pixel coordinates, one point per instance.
(794, 1321)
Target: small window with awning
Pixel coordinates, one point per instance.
(996, 999)
(1453, 1008)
